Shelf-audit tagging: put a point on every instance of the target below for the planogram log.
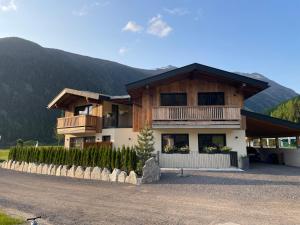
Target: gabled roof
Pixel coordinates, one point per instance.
(260, 125)
(68, 93)
(257, 85)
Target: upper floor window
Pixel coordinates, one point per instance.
(211, 98)
(173, 99)
(83, 110)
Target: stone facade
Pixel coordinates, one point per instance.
(151, 172)
(64, 171)
(114, 175)
(96, 173)
(40, 168)
(105, 174)
(122, 177)
(71, 171)
(132, 178)
(87, 173)
(79, 172)
(58, 171)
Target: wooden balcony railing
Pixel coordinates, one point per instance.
(78, 121)
(200, 113)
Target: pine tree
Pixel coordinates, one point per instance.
(118, 159)
(145, 144)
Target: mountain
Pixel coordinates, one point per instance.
(31, 75)
(269, 98)
(288, 110)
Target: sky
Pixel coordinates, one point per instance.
(235, 35)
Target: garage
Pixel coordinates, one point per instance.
(271, 140)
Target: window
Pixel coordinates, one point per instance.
(211, 98)
(173, 99)
(106, 138)
(172, 143)
(211, 140)
(83, 110)
(78, 142)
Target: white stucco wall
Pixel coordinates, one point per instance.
(236, 139)
(119, 136)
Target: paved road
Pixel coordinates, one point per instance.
(260, 196)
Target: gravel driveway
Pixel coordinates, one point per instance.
(263, 195)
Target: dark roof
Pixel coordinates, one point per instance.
(267, 126)
(201, 68)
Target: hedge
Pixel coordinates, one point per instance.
(125, 158)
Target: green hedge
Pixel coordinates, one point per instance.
(125, 158)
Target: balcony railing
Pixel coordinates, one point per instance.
(196, 113)
(87, 122)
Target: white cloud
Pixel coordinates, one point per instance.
(8, 5)
(177, 11)
(132, 26)
(158, 27)
(123, 51)
(81, 12)
(84, 10)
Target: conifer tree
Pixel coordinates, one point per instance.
(145, 145)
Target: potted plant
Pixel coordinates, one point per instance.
(168, 149)
(225, 149)
(211, 149)
(244, 162)
(184, 149)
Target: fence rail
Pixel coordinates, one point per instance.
(195, 160)
(196, 113)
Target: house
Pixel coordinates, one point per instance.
(189, 110)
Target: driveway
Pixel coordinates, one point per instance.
(263, 195)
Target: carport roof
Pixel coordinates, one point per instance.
(260, 125)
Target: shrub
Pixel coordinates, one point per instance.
(125, 158)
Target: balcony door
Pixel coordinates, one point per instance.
(83, 110)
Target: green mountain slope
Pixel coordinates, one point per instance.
(30, 76)
(289, 110)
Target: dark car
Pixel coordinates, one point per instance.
(253, 154)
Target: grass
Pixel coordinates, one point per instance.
(7, 220)
(3, 154)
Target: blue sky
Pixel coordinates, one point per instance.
(246, 36)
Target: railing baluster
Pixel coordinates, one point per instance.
(195, 113)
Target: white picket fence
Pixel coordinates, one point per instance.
(194, 160)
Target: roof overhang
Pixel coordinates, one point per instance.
(260, 125)
(249, 86)
(68, 95)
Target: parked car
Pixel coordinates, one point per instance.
(253, 154)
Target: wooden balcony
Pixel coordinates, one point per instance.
(196, 116)
(78, 124)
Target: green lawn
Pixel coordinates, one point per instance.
(7, 220)
(3, 154)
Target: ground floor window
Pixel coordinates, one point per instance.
(78, 142)
(211, 141)
(106, 138)
(175, 143)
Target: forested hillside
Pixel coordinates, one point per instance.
(31, 75)
(289, 110)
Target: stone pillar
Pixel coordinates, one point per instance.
(277, 142)
(261, 142)
(298, 141)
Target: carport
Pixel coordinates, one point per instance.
(265, 128)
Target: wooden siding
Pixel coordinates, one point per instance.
(150, 97)
(78, 124)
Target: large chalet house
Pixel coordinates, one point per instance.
(189, 109)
